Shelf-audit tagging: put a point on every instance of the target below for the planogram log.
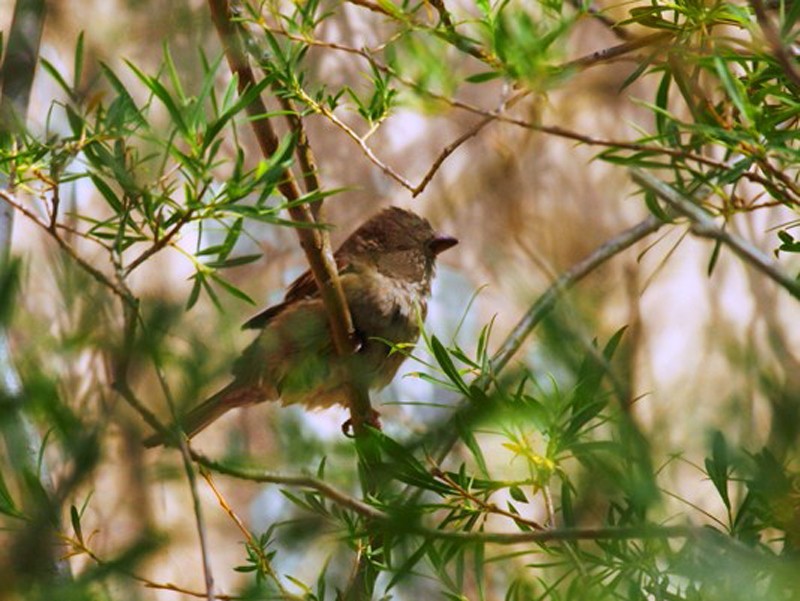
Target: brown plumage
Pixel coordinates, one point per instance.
(386, 267)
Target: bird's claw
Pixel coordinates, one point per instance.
(353, 424)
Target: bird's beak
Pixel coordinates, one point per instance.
(441, 243)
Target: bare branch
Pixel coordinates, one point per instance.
(96, 274)
(359, 140)
(565, 281)
(328, 491)
(158, 244)
(704, 226)
(266, 564)
(607, 54)
(199, 521)
(447, 151)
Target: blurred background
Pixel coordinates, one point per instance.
(701, 352)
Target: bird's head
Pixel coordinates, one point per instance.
(399, 243)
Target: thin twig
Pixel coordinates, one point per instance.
(569, 534)
(582, 62)
(168, 586)
(158, 244)
(352, 134)
(266, 564)
(488, 115)
(449, 34)
(486, 506)
(614, 52)
(598, 15)
(447, 151)
(325, 489)
(81, 547)
(376, 8)
(704, 226)
(199, 521)
(96, 274)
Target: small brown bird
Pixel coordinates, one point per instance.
(386, 267)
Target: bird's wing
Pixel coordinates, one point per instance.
(302, 287)
(260, 320)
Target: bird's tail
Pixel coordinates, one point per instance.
(232, 396)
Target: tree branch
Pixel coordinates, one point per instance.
(504, 538)
(704, 226)
(265, 561)
(497, 115)
(565, 281)
(10, 199)
(314, 240)
(257, 475)
(199, 521)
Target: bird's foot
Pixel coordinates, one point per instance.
(355, 423)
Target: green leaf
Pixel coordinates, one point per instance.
(785, 237)
(231, 289)
(160, 92)
(718, 466)
(482, 77)
(613, 343)
(53, 72)
(234, 262)
(76, 523)
(466, 435)
(7, 506)
(662, 102)
(232, 237)
(446, 363)
(517, 494)
(652, 204)
(173, 73)
(123, 94)
(712, 261)
(194, 295)
(789, 21)
(243, 102)
(77, 68)
(636, 73)
(107, 193)
(406, 567)
(735, 90)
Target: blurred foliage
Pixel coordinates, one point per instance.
(538, 483)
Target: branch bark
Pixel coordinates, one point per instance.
(313, 239)
(703, 225)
